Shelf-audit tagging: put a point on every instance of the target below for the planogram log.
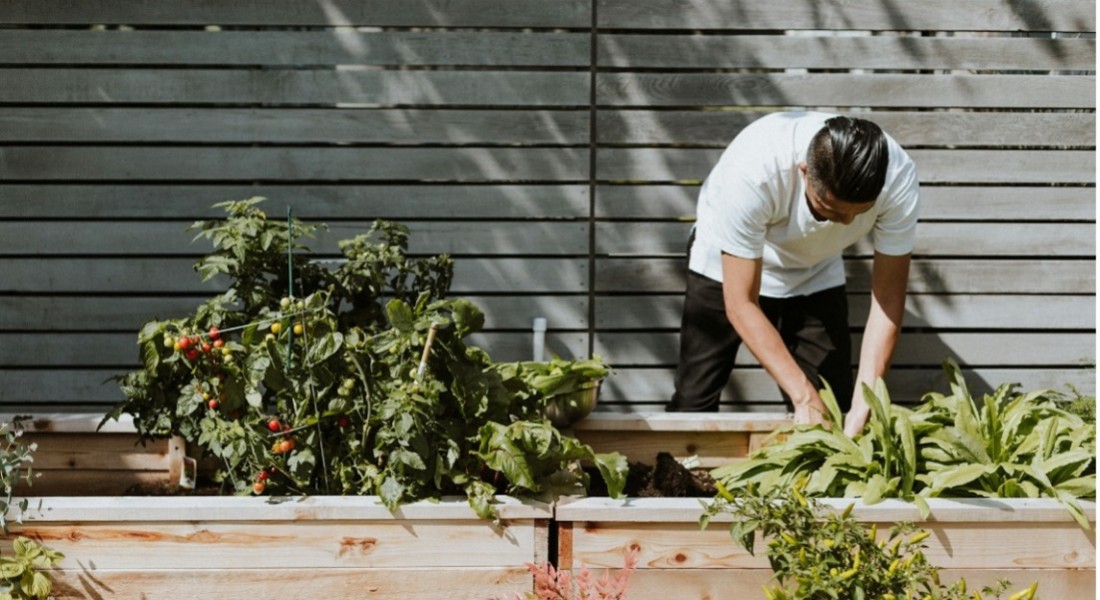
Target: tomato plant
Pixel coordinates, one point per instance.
(321, 391)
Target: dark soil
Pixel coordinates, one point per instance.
(667, 479)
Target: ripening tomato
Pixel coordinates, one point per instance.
(206, 347)
(219, 343)
(184, 343)
(258, 488)
(214, 333)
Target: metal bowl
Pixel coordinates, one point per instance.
(565, 409)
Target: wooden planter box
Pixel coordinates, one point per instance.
(292, 547)
(74, 458)
(981, 540)
(715, 439)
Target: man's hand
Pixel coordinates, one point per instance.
(810, 414)
(856, 419)
(808, 407)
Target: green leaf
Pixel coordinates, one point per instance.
(400, 316)
(955, 477)
(613, 468)
(468, 318)
(326, 346)
(301, 464)
(10, 569)
(39, 586)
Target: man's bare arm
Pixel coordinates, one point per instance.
(889, 280)
(741, 292)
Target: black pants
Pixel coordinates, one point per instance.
(814, 329)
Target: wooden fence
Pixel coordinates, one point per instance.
(555, 148)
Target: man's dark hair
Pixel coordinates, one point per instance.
(848, 158)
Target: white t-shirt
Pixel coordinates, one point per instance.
(753, 205)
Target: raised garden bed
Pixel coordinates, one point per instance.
(715, 439)
(981, 540)
(295, 547)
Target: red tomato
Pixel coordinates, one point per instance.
(214, 333)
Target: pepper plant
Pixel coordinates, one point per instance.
(821, 555)
(361, 384)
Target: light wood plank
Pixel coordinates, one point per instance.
(706, 584)
(90, 163)
(297, 126)
(828, 51)
(275, 87)
(379, 13)
(74, 452)
(322, 202)
(838, 89)
(969, 276)
(295, 48)
(241, 510)
(949, 512)
(711, 449)
(718, 127)
(172, 238)
(176, 275)
(683, 546)
(632, 389)
(982, 15)
(128, 313)
(914, 349)
(979, 203)
(932, 239)
(438, 583)
(978, 311)
(331, 544)
(1036, 167)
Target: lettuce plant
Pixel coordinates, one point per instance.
(1009, 445)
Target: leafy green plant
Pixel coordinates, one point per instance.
(557, 376)
(15, 459)
(361, 384)
(1011, 445)
(819, 555)
(22, 576)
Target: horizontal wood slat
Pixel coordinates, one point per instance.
(714, 583)
(653, 386)
(975, 203)
(979, 311)
(292, 126)
(121, 350)
(914, 349)
(176, 276)
(128, 313)
(979, 15)
(276, 87)
(910, 129)
(969, 276)
(428, 13)
(437, 583)
(816, 89)
(292, 164)
(481, 238)
(321, 202)
(831, 52)
(933, 166)
(169, 238)
(295, 48)
(932, 239)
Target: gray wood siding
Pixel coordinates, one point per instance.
(554, 148)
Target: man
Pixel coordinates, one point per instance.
(787, 196)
